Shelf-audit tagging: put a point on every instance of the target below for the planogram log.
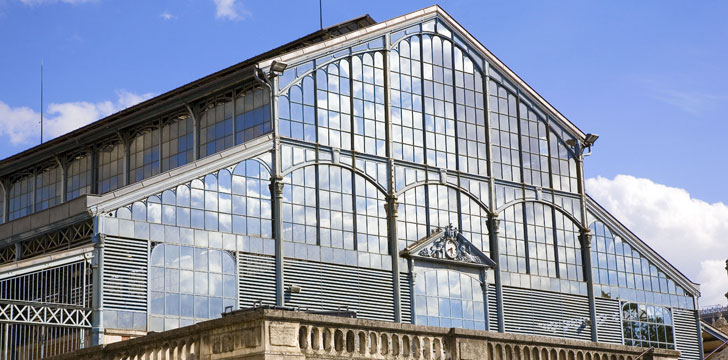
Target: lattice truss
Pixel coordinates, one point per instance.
(25, 313)
(66, 238)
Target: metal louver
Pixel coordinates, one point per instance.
(545, 313)
(609, 325)
(125, 274)
(256, 280)
(405, 295)
(331, 287)
(492, 308)
(686, 334)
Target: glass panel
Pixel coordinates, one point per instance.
(111, 168)
(78, 177)
(504, 133)
(406, 101)
(19, 197)
(48, 188)
(368, 99)
(625, 273)
(216, 127)
(647, 326)
(252, 115)
(182, 295)
(177, 142)
(144, 155)
(445, 298)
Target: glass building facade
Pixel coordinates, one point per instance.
(355, 154)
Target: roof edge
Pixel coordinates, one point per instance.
(422, 13)
(47, 149)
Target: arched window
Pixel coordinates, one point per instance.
(19, 197)
(78, 176)
(190, 284)
(111, 167)
(540, 249)
(441, 206)
(369, 111)
(347, 209)
(144, 155)
(449, 298)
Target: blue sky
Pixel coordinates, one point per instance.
(649, 77)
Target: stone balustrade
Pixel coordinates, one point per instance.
(278, 334)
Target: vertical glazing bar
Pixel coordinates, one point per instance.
(32, 180)
(5, 200)
(94, 153)
(126, 147)
(62, 165)
(160, 141)
(195, 133)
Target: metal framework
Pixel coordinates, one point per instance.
(52, 309)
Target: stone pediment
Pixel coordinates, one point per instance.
(448, 245)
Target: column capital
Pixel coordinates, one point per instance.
(276, 186)
(493, 223)
(392, 205)
(585, 236)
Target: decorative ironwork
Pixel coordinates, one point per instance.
(451, 246)
(7, 254)
(67, 238)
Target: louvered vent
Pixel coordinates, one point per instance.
(686, 334)
(333, 287)
(257, 280)
(545, 313)
(406, 296)
(609, 325)
(492, 309)
(125, 274)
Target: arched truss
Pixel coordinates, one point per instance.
(446, 184)
(561, 210)
(356, 171)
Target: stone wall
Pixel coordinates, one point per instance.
(277, 334)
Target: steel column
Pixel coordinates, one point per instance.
(97, 297)
(585, 239)
(276, 184)
(6, 341)
(493, 229)
(392, 204)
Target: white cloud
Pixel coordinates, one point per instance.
(21, 124)
(690, 233)
(231, 10)
(167, 16)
